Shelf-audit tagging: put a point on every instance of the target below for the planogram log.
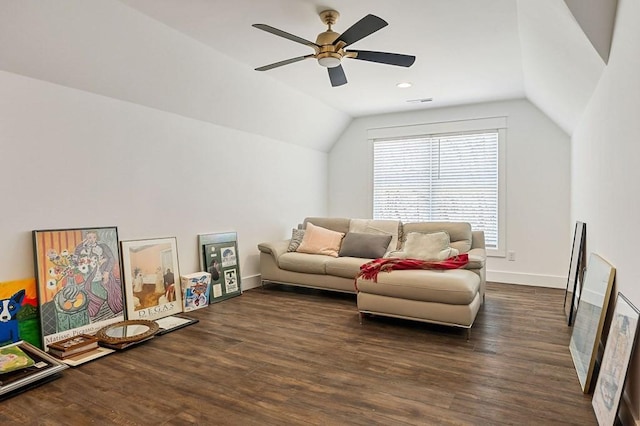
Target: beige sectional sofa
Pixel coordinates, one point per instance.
(451, 297)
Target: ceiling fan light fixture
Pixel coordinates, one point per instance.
(329, 59)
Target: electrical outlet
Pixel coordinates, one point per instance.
(511, 255)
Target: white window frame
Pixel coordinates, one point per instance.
(498, 124)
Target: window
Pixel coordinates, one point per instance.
(443, 177)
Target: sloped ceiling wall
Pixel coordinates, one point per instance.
(126, 55)
(561, 67)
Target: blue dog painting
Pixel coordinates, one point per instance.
(19, 315)
(9, 309)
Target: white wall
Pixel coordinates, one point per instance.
(605, 171)
(109, 48)
(538, 186)
(70, 158)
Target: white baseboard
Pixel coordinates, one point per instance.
(551, 281)
(252, 281)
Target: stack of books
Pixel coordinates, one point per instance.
(73, 346)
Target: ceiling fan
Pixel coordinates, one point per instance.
(330, 46)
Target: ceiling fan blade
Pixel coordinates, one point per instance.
(337, 76)
(284, 34)
(364, 27)
(384, 58)
(285, 62)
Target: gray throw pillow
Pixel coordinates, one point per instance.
(368, 246)
(296, 238)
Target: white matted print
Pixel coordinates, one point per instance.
(150, 274)
(231, 280)
(615, 361)
(228, 256)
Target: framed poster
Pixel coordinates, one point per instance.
(219, 257)
(36, 368)
(576, 272)
(615, 361)
(150, 274)
(590, 317)
(78, 278)
(22, 321)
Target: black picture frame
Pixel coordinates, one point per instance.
(79, 280)
(576, 272)
(618, 351)
(46, 368)
(219, 256)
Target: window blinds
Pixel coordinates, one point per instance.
(439, 178)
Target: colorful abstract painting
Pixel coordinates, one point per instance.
(19, 318)
(78, 277)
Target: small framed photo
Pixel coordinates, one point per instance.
(219, 257)
(615, 361)
(78, 277)
(151, 278)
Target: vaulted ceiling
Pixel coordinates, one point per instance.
(467, 51)
(197, 58)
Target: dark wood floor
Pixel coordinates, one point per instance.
(281, 355)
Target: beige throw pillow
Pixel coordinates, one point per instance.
(434, 246)
(318, 240)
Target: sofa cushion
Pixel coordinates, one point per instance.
(368, 246)
(433, 246)
(378, 227)
(319, 240)
(346, 267)
(453, 286)
(338, 224)
(296, 239)
(303, 262)
(459, 232)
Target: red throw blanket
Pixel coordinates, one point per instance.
(370, 270)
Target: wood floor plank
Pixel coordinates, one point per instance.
(281, 355)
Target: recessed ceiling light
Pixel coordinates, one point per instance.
(403, 85)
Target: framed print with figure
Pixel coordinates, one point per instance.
(615, 361)
(219, 257)
(590, 317)
(78, 278)
(151, 278)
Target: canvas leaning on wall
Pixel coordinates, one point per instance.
(79, 282)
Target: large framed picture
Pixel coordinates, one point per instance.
(79, 281)
(615, 361)
(219, 257)
(576, 272)
(590, 317)
(152, 278)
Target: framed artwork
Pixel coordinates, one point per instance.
(35, 368)
(590, 317)
(79, 283)
(576, 272)
(196, 288)
(150, 274)
(219, 257)
(19, 300)
(615, 361)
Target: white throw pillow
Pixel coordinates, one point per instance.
(434, 246)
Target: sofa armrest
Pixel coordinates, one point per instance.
(477, 258)
(274, 248)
